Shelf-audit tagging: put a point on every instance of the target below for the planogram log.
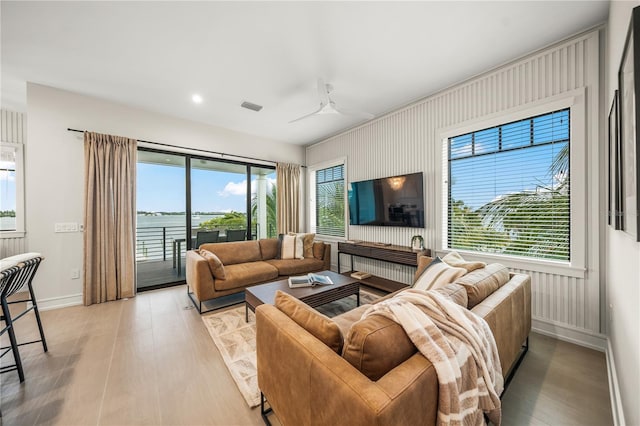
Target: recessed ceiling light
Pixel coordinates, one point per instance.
(197, 99)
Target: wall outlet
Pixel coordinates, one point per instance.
(75, 274)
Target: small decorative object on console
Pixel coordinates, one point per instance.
(360, 275)
(417, 242)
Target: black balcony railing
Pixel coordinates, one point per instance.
(155, 243)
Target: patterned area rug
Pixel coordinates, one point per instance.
(236, 340)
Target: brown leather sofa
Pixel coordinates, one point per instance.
(243, 264)
(378, 377)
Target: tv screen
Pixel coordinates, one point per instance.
(391, 201)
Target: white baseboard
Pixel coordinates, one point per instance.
(614, 389)
(60, 302)
(570, 334)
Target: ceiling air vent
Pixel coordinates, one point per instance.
(252, 107)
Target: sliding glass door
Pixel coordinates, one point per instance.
(218, 201)
(186, 200)
(162, 219)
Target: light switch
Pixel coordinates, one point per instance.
(66, 227)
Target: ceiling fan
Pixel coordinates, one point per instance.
(327, 106)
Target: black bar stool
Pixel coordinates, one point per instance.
(13, 278)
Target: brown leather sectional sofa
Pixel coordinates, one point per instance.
(246, 263)
(378, 377)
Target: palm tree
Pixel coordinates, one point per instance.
(271, 211)
(531, 223)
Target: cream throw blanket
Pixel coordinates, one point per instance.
(461, 348)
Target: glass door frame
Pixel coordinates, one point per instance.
(188, 196)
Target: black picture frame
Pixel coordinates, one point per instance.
(614, 167)
(629, 94)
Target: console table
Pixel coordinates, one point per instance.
(389, 253)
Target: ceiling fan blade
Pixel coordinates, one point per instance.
(307, 115)
(323, 93)
(360, 114)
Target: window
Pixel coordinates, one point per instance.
(509, 188)
(11, 189)
(328, 201)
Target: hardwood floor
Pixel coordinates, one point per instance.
(150, 360)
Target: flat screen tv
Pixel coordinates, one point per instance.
(391, 201)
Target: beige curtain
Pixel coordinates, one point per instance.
(288, 181)
(109, 206)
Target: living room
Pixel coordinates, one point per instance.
(590, 302)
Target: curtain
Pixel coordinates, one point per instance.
(109, 208)
(288, 181)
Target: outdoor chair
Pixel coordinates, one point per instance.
(206, 237)
(17, 272)
(236, 234)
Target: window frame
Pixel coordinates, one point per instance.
(311, 190)
(575, 102)
(18, 149)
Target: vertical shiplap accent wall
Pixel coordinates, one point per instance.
(13, 128)
(405, 141)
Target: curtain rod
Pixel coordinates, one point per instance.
(221, 154)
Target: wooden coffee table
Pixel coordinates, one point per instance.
(313, 296)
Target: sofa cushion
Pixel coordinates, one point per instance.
(454, 259)
(290, 247)
(482, 282)
(376, 345)
(296, 266)
(235, 252)
(318, 250)
(437, 274)
(455, 292)
(215, 265)
(245, 274)
(320, 326)
(268, 248)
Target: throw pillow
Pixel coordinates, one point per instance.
(376, 345)
(307, 245)
(215, 264)
(482, 282)
(320, 326)
(454, 259)
(437, 274)
(290, 247)
(318, 250)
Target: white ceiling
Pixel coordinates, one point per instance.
(377, 55)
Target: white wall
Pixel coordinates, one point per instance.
(622, 255)
(566, 301)
(55, 170)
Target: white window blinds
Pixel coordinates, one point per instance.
(329, 190)
(508, 188)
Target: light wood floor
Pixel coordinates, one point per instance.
(150, 360)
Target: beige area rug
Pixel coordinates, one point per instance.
(236, 340)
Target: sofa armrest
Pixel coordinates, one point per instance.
(316, 386)
(326, 257)
(508, 313)
(199, 277)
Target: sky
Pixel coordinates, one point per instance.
(479, 180)
(162, 188)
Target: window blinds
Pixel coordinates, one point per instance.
(330, 201)
(509, 188)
